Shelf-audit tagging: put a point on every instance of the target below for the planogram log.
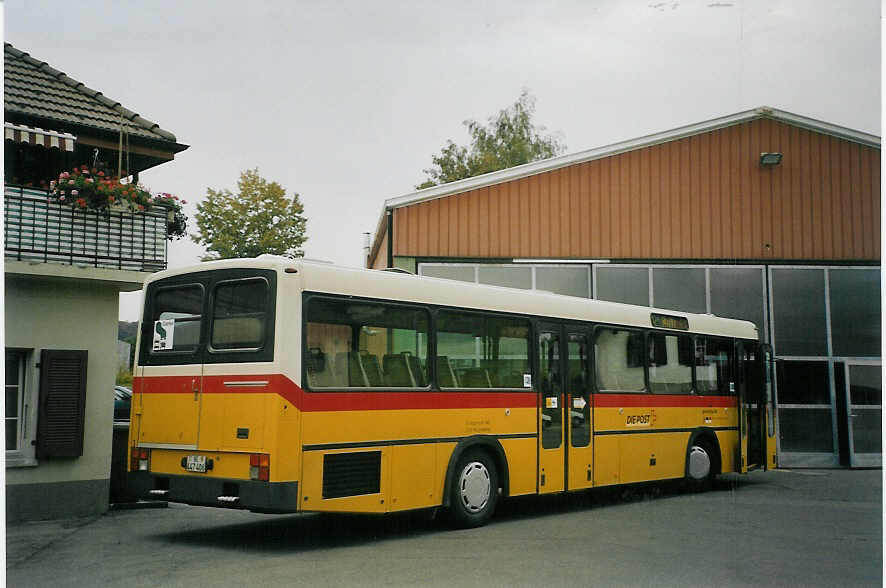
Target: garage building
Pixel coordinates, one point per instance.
(762, 215)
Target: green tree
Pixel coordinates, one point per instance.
(508, 140)
(260, 218)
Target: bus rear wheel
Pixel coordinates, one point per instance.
(473, 490)
(699, 466)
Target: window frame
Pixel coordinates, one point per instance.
(25, 454)
(591, 328)
(207, 280)
(147, 329)
(307, 297)
(693, 388)
(149, 357)
(531, 322)
(600, 326)
(730, 342)
(210, 324)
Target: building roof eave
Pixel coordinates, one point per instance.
(554, 163)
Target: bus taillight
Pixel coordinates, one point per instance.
(139, 460)
(260, 466)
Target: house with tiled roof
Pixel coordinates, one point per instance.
(64, 269)
(43, 107)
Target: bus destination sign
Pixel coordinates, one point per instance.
(666, 321)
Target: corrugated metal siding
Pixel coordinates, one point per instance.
(702, 197)
(380, 261)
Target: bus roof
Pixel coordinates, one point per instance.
(318, 276)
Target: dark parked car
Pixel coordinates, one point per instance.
(122, 402)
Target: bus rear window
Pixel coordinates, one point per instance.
(175, 315)
(239, 314)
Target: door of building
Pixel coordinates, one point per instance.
(864, 393)
(565, 417)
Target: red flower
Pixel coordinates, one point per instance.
(101, 174)
(81, 202)
(110, 199)
(140, 207)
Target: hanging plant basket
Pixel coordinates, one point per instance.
(85, 188)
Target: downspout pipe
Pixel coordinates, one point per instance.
(390, 216)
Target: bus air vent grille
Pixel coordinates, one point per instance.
(351, 474)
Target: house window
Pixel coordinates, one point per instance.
(57, 391)
(20, 406)
(15, 371)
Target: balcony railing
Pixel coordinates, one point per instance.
(37, 229)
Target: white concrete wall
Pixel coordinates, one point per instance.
(43, 313)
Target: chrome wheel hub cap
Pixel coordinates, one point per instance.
(699, 463)
(475, 486)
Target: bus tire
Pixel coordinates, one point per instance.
(473, 489)
(700, 464)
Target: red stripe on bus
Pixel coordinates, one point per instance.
(388, 400)
(336, 401)
(606, 400)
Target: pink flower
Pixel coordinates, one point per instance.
(62, 198)
(74, 192)
(52, 184)
(88, 180)
(71, 182)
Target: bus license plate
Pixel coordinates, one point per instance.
(196, 463)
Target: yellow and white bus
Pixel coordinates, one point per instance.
(281, 385)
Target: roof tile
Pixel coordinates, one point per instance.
(33, 88)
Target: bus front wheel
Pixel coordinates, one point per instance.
(474, 489)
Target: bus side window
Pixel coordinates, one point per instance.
(481, 351)
(370, 345)
(713, 365)
(618, 365)
(670, 363)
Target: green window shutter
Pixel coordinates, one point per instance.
(62, 403)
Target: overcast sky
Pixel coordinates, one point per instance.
(346, 102)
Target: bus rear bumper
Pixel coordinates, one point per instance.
(269, 497)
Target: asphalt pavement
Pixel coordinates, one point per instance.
(778, 528)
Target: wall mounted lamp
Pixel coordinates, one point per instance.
(770, 159)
